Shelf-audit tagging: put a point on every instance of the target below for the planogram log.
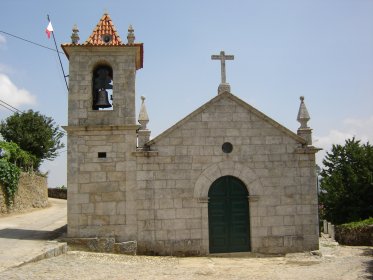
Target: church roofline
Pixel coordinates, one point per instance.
(237, 100)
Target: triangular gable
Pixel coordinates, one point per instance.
(234, 98)
(104, 27)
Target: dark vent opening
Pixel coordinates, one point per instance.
(101, 154)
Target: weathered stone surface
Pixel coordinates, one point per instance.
(157, 193)
(127, 248)
(32, 193)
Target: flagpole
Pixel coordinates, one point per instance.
(59, 57)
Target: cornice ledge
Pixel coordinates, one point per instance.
(307, 150)
(72, 128)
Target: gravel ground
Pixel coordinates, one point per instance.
(335, 262)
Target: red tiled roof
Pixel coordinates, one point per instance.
(104, 27)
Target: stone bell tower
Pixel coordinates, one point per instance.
(102, 132)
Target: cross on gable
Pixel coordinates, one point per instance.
(222, 57)
(224, 86)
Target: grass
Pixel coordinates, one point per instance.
(359, 224)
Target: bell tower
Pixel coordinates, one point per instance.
(102, 73)
(102, 132)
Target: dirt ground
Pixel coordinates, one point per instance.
(333, 262)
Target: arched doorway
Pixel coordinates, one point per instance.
(228, 211)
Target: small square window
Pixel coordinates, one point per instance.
(101, 154)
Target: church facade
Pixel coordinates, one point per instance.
(226, 178)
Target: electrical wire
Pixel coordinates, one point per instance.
(13, 108)
(31, 42)
(8, 108)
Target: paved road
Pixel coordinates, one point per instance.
(335, 263)
(23, 237)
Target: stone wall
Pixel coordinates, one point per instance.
(57, 193)
(32, 193)
(101, 169)
(360, 236)
(100, 190)
(172, 186)
(82, 63)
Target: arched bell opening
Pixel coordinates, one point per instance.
(228, 216)
(102, 88)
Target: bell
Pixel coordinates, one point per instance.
(102, 100)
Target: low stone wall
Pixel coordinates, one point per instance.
(361, 236)
(102, 245)
(32, 193)
(57, 193)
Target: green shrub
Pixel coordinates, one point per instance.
(34, 133)
(14, 154)
(358, 224)
(9, 178)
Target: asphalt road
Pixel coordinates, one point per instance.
(25, 236)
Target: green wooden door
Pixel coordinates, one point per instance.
(228, 216)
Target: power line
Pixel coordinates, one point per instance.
(56, 50)
(14, 109)
(8, 108)
(31, 42)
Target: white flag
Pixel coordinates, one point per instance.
(49, 30)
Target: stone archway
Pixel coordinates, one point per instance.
(208, 177)
(215, 171)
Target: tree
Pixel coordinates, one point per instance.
(13, 153)
(34, 133)
(347, 182)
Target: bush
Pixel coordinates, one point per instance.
(14, 154)
(358, 224)
(9, 177)
(34, 133)
(355, 233)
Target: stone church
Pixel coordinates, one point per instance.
(226, 178)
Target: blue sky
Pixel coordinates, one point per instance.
(322, 49)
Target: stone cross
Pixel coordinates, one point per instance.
(224, 86)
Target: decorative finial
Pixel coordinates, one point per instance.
(143, 134)
(75, 36)
(143, 115)
(303, 116)
(106, 12)
(131, 35)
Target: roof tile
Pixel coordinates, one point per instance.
(104, 27)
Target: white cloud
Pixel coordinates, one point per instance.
(13, 95)
(2, 40)
(361, 129)
(5, 69)
(361, 124)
